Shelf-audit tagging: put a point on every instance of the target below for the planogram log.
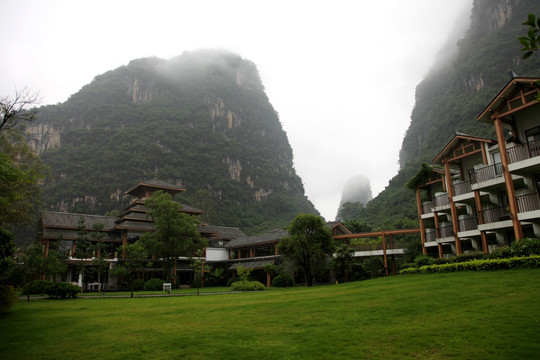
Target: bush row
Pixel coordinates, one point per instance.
(246, 285)
(476, 265)
(55, 290)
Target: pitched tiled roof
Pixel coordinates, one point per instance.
(272, 236)
(71, 220)
(222, 232)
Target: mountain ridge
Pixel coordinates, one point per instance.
(200, 120)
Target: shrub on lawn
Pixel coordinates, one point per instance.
(37, 287)
(154, 285)
(246, 285)
(526, 247)
(138, 285)
(8, 297)
(283, 280)
(62, 290)
(422, 260)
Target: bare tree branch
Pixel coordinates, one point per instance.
(14, 110)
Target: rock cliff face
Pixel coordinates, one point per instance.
(201, 120)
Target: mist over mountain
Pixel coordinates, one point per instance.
(356, 190)
(201, 120)
(453, 93)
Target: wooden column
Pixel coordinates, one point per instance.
(124, 243)
(480, 217)
(268, 280)
(47, 245)
(453, 210)
(518, 232)
(420, 221)
(384, 254)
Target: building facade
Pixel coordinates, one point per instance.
(484, 193)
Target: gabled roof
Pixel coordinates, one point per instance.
(273, 236)
(154, 185)
(518, 94)
(337, 227)
(222, 232)
(463, 145)
(71, 220)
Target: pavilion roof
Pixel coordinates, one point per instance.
(462, 145)
(517, 94)
(154, 185)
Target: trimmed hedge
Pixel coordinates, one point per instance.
(245, 285)
(154, 284)
(38, 287)
(478, 265)
(62, 290)
(283, 280)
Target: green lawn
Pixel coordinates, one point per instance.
(468, 315)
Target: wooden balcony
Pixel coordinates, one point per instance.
(528, 202)
(496, 214)
(523, 152)
(486, 173)
(463, 187)
(441, 200)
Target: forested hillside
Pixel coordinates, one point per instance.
(201, 121)
(452, 95)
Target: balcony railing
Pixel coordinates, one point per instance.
(441, 200)
(461, 188)
(446, 231)
(496, 214)
(529, 202)
(522, 152)
(426, 207)
(431, 234)
(468, 223)
(486, 173)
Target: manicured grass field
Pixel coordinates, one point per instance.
(468, 315)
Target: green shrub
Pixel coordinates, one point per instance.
(38, 287)
(231, 281)
(8, 297)
(526, 247)
(501, 252)
(478, 265)
(62, 290)
(283, 280)
(154, 285)
(246, 285)
(422, 260)
(137, 285)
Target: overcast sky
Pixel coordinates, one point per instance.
(341, 74)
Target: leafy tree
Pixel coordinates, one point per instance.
(33, 263)
(135, 262)
(55, 263)
(342, 261)
(532, 40)
(197, 265)
(20, 172)
(309, 242)
(175, 233)
(82, 251)
(99, 248)
(7, 249)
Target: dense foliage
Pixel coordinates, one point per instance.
(201, 120)
(309, 242)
